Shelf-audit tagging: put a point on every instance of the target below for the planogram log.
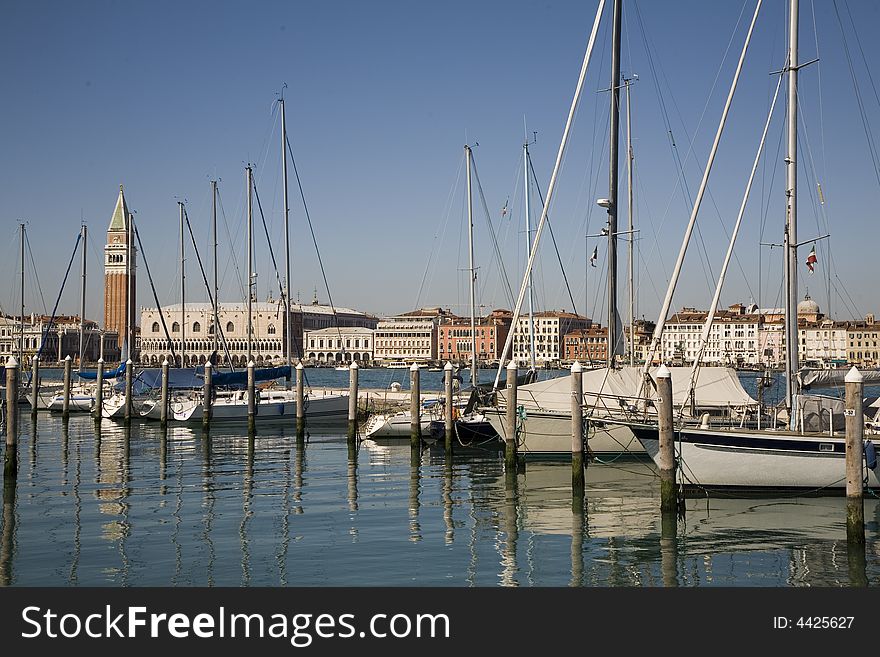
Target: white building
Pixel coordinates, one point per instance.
(410, 337)
(550, 329)
(339, 345)
(733, 337)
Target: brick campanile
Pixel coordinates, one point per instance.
(117, 284)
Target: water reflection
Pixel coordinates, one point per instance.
(415, 464)
(8, 535)
(510, 520)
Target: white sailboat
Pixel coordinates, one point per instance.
(796, 456)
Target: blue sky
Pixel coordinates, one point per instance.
(381, 97)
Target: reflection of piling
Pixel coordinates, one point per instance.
(415, 406)
(163, 397)
(129, 366)
(6, 542)
(65, 399)
(9, 462)
(352, 476)
(577, 430)
(669, 549)
(300, 401)
(208, 395)
(415, 462)
(251, 396)
(447, 497)
(855, 450)
(666, 458)
(578, 529)
(510, 436)
(511, 531)
(35, 384)
(448, 426)
(857, 564)
(352, 400)
(99, 391)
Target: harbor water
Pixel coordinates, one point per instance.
(136, 507)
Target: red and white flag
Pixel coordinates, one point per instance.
(811, 259)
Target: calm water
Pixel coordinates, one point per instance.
(129, 509)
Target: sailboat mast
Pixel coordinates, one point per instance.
(214, 230)
(613, 338)
(250, 259)
(82, 300)
(630, 264)
(526, 190)
(21, 315)
(288, 328)
(129, 333)
(791, 261)
(182, 292)
(471, 271)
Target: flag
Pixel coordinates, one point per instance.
(504, 209)
(594, 256)
(811, 259)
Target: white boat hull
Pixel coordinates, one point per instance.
(548, 434)
(331, 409)
(758, 459)
(398, 425)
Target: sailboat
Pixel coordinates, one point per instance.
(794, 456)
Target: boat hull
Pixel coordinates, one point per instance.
(325, 410)
(398, 425)
(755, 460)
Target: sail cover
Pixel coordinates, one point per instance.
(717, 387)
(810, 378)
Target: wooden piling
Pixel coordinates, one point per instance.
(99, 391)
(855, 456)
(35, 384)
(251, 396)
(352, 400)
(415, 406)
(65, 404)
(300, 399)
(9, 463)
(163, 395)
(207, 395)
(448, 421)
(577, 430)
(129, 378)
(510, 434)
(666, 459)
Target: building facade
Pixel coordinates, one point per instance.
(339, 345)
(55, 339)
(454, 341)
(551, 326)
(120, 287)
(410, 337)
(588, 346)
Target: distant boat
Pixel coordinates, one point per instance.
(397, 365)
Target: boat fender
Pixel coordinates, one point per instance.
(704, 421)
(870, 455)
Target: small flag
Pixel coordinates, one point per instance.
(811, 259)
(504, 209)
(594, 256)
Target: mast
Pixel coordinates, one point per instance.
(129, 334)
(250, 258)
(182, 292)
(613, 337)
(21, 315)
(526, 190)
(471, 271)
(214, 230)
(82, 302)
(288, 329)
(791, 261)
(630, 261)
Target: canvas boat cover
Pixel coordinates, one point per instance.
(810, 378)
(717, 387)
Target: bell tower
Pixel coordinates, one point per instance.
(119, 276)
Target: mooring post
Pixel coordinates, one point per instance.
(251, 396)
(99, 391)
(129, 378)
(11, 414)
(65, 404)
(448, 422)
(35, 384)
(666, 458)
(577, 429)
(352, 400)
(300, 401)
(510, 436)
(163, 394)
(415, 406)
(855, 456)
(208, 395)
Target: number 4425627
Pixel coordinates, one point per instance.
(814, 622)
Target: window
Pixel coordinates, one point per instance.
(230, 327)
(155, 327)
(271, 329)
(175, 328)
(197, 328)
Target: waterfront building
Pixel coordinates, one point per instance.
(551, 326)
(43, 335)
(862, 336)
(117, 284)
(339, 345)
(454, 341)
(589, 346)
(732, 342)
(410, 337)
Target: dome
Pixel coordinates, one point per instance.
(807, 306)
